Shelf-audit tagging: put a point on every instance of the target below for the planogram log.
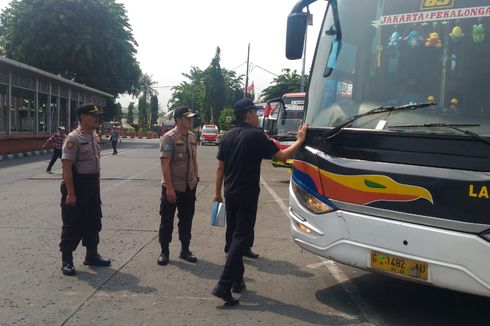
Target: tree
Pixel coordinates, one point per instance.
(146, 87)
(154, 110)
(112, 111)
(194, 93)
(130, 112)
(226, 119)
(142, 112)
(215, 88)
(89, 41)
(288, 82)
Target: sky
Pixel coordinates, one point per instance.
(174, 36)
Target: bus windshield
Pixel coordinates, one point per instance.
(375, 53)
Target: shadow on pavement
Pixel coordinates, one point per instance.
(202, 269)
(251, 301)
(278, 267)
(117, 280)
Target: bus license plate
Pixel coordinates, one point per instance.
(399, 265)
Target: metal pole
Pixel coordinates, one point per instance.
(309, 23)
(9, 104)
(246, 75)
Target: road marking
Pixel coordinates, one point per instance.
(369, 314)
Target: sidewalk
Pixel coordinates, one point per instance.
(105, 145)
(4, 157)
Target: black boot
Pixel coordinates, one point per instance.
(164, 257)
(250, 254)
(186, 254)
(93, 258)
(67, 268)
(67, 263)
(223, 293)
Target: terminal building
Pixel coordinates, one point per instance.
(34, 103)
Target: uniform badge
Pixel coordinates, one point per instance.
(167, 148)
(180, 142)
(70, 144)
(181, 156)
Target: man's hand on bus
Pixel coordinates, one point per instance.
(301, 136)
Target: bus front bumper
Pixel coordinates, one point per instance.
(453, 260)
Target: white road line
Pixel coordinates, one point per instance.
(369, 314)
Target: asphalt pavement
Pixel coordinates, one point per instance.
(285, 286)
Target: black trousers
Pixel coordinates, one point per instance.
(114, 146)
(185, 205)
(230, 228)
(242, 212)
(81, 222)
(56, 155)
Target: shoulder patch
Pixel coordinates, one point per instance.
(167, 147)
(70, 144)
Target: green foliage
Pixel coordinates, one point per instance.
(89, 41)
(226, 119)
(112, 111)
(154, 110)
(130, 112)
(146, 87)
(215, 88)
(288, 82)
(142, 112)
(208, 91)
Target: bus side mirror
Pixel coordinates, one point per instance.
(295, 35)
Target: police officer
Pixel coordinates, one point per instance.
(240, 154)
(80, 191)
(180, 177)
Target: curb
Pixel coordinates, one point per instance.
(4, 157)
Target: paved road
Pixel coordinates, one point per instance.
(285, 285)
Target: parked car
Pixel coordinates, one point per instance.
(209, 134)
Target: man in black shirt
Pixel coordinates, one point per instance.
(240, 154)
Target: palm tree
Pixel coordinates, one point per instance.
(146, 87)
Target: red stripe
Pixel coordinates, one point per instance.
(336, 191)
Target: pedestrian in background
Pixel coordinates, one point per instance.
(178, 150)
(240, 154)
(114, 137)
(56, 141)
(80, 191)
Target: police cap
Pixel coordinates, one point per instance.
(183, 112)
(89, 109)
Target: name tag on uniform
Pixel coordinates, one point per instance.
(84, 147)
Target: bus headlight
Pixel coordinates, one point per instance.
(309, 201)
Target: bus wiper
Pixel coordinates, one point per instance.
(453, 126)
(382, 109)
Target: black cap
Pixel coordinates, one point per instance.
(183, 112)
(242, 106)
(89, 109)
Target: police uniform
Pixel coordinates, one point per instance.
(182, 152)
(82, 222)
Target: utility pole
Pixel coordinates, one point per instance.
(246, 75)
(309, 23)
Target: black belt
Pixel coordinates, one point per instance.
(82, 176)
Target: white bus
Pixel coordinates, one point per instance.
(394, 176)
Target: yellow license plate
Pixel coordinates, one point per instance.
(399, 265)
